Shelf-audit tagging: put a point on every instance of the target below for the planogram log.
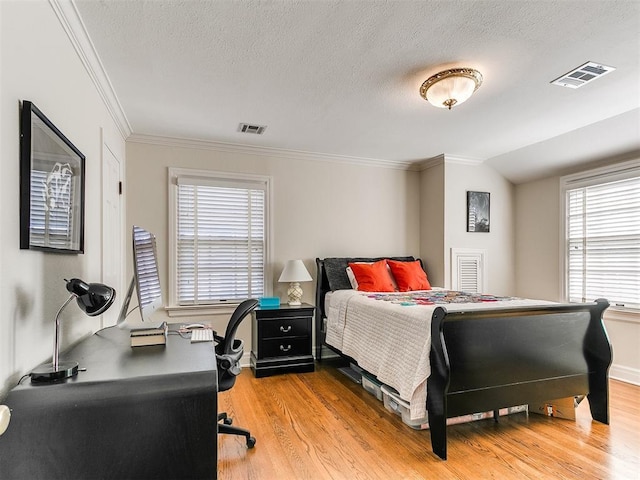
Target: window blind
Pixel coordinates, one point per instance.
(220, 240)
(51, 220)
(603, 244)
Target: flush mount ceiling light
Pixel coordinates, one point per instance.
(451, 87)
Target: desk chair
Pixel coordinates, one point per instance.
(229, 351)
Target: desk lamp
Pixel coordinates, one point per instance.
(294, 272)
(93, 299)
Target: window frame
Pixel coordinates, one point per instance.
(263, 182)
(597, 176)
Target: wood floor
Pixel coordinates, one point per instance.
(321, 425)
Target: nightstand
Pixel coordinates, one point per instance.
(281, 339)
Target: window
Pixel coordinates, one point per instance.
(602, 243)
(219, 237)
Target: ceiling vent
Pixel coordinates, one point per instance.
(582, 75)
(247, 128)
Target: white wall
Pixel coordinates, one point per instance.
(320, 208)
(443, 217)
(499, 241)
(537, 227)
(39, 63)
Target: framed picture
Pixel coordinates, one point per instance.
(478, 210)
(51, 186)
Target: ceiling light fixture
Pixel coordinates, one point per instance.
(451, 87)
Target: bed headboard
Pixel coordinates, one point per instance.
(332, 275)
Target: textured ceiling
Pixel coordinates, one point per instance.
(342, 77)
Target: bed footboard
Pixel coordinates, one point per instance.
(487, 360)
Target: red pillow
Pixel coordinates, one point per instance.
(409, 276)
(372, 277)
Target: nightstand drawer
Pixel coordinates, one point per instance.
(285, 327)
(285, 347)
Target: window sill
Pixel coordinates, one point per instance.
(622, 315)
(196, 310)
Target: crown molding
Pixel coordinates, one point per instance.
(444, 158)
(428, 163)
(264, 151)
(462, 160)
(72, 24)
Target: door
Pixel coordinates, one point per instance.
(112, 228)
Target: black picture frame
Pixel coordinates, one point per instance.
(478, 211)
(52, 186)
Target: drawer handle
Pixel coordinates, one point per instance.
(285, 329)
(285, 349)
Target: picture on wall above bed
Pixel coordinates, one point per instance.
(478, 210)
(51, 186)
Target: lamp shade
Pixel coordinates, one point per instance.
(92, 298)
(295, 271)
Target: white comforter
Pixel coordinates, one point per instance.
(391, 341)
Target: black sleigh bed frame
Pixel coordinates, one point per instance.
(485, 360)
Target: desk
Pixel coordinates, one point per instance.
(145, 412)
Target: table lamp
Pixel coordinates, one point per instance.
(294, 272)
(93, 299)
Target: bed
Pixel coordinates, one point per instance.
(474, 360)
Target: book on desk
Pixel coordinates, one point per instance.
(154, 334)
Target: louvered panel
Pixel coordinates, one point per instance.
(468, 270)
(468, 275)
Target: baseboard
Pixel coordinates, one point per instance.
(245, 361)
(625, 374)
(328, 353)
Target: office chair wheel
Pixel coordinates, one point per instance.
(251, 442)
(228, 421)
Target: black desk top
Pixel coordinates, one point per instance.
(108, 356)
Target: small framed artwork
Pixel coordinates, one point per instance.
(52, 180)
(478, 211)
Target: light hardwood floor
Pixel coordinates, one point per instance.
(321, 425)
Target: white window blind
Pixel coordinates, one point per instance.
(220, 240)
(603, 242)
(51, 221)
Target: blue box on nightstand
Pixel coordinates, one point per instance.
(269, 302)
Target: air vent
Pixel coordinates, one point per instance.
(248, 128)
(468, 270)
(582, 75)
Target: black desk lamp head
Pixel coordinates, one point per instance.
(93, 299)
